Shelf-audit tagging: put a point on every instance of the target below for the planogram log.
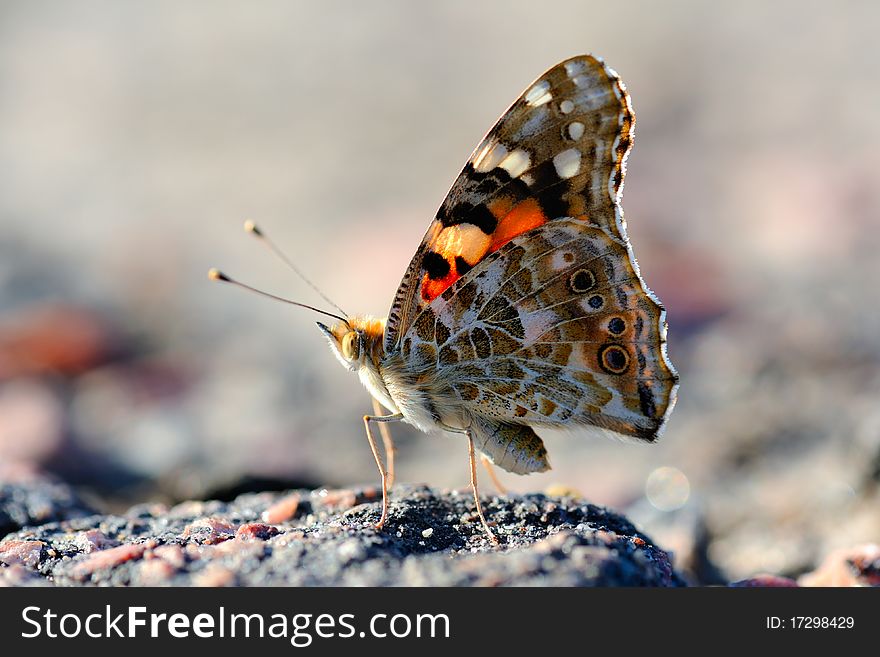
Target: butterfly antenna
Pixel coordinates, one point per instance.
(252, 228)
(217, 275)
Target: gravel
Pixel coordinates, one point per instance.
(327, 538)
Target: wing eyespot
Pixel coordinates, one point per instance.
(616, 325)
(613, 359)
(596, 301)
(581, 281)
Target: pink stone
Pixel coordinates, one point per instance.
(194, 551)
(110, 558)
(284, 509)
(172, 554)
(93, 540)
(209, 531)
(26, 553)
(856, 566)
(155, 572)
(253, 531)
(237, 549)
(214, 575)
(341, 498)
(17, 575)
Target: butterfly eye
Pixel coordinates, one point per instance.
(351, 346)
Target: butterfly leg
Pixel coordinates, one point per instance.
(375, 450)
(475, 489)
(386, 440)
(492, 475)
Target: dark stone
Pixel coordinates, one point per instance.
(37, 501)
(431, 538)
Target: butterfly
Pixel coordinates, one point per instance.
(523, 306)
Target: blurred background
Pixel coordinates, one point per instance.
(136, 137)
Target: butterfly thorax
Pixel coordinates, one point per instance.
(416, 393)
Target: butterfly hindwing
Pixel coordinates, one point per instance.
(555, 328)
(514, 447)
(558, 151)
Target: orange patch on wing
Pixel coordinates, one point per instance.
(500, 206)
(431, 288)
(521, 218)
(513, 220)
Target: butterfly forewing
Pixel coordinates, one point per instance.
(559, 151)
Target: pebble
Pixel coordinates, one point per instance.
(25, 553)
(209, 531)
(282, 510)
(107, 559)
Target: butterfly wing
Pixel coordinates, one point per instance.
(558, 151)
(555, 328)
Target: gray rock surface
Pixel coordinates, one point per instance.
(304, 538)
(35, 500)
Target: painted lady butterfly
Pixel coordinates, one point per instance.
(523, 306)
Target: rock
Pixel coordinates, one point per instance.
(858, 566)
(283, 509)
(25, 553)
(765, 580)
(432, 538)
(32, 499)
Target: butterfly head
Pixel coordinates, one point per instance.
(356, 342)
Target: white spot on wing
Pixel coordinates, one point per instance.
(539, 94)
(516, 163)
(489, 157)
(465, 240)
(576, 130)
(566, 106)
(583, 81)
(587, 308)
(567, 163)
(573, 68)
(559, 263)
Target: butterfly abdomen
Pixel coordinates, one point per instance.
(424, 398)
